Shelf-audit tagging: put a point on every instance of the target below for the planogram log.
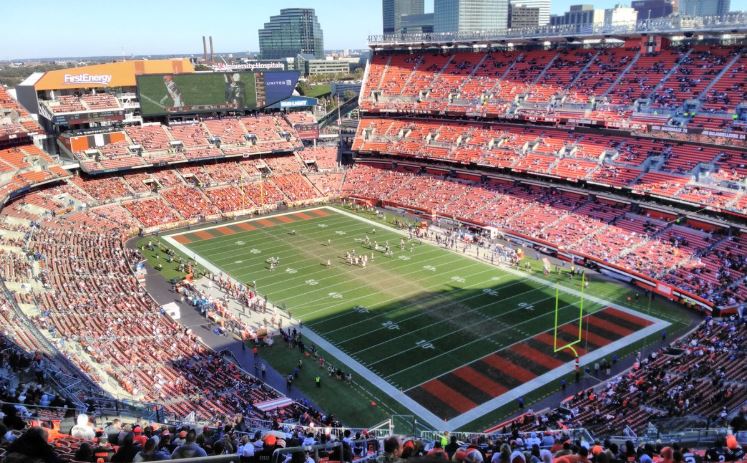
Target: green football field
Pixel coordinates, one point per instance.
(449, 333)
(207, 89)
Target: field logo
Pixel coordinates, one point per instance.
(430, 268)
(255, 251)
(490, 292)
(360, 309)
(334, 295)
(312, 282)
(291, 271)
(84, 78)
(458, 279)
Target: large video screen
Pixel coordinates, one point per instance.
(165, 94)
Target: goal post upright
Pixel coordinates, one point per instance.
(570, 344)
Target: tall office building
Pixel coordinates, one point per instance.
(651, 9)
(294, 31)
(704, 7)
(543, 5)
(470, 15)
(522, 17)
(393, 11)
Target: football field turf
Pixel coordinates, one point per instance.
(446, 332)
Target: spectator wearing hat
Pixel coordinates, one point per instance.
(189, 449)
(140, 439)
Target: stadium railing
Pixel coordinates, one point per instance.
(680, 23)
(580, 434)
(688, 437)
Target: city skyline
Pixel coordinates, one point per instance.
(176, 27)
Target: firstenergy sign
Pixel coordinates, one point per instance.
(73, 79)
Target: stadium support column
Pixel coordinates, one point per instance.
(204, 48)
(211, 48)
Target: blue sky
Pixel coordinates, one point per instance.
(51, 28)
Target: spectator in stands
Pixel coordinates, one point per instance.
(150, 452)
(190, 449)
(139, 437)
(451, 447)
(11, 418)
(112, 431)
(83, 429)
(392, 451)
(84, 452)
(246, 449)
(438, 452)
(128, 449)
(32, 446)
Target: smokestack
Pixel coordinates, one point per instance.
(211, 48)
(204, 48)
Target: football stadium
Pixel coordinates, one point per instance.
(516, 245)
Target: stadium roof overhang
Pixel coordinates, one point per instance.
(718, 27)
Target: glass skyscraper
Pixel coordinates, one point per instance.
(294, 31)
(394, 10)
(470, 15)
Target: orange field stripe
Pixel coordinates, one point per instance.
(266, 223)
(303, 216)
(246, 226)
(182, 239)
(611, 327)
(449, 396)
(546, 338)
(628, 317)
(285, 218)
(225, 230)
(204, 235)
(593, 338)
(480, 381)
(508, 368)
(320, 212)
(533, 355)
